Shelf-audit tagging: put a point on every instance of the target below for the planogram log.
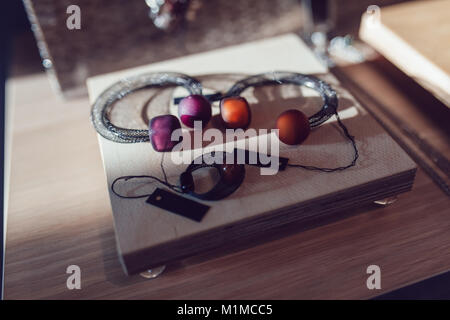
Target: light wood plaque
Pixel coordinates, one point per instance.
(148, 236)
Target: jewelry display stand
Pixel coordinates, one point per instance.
(148, 237)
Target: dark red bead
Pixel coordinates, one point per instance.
(194, 108)
(231, 173)
(161, 129)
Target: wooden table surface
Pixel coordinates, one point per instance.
(59, 214)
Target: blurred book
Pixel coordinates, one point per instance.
(414, 36)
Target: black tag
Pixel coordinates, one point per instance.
(180, 205)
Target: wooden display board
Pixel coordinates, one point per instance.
(148, 236)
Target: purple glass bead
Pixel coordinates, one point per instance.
(194, 108)
(161, 128)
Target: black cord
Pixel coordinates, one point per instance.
(355, 149)
(164, 182)
(161, 164)
(126, 178)
(328, 109)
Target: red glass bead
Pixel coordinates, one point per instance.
(194, 108)
(231, 173)
(235, 112)
(293, 126)
(161, 129)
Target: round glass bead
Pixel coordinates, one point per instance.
(235, 112)
(293, 126)
(160, 132)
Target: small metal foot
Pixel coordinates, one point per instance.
(153, 273)
(386, 201)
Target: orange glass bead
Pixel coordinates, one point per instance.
(293, 126)
(235, 112)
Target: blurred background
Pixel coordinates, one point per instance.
(118, 34)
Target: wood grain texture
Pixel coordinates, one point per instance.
(148, 236)
(414, 36)
(59, 214)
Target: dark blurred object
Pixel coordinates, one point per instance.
(315, 16)
(24, 55)
(117, 34)
(330, 26)
(168, 14)
(336, 17)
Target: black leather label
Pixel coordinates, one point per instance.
(177, 204)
